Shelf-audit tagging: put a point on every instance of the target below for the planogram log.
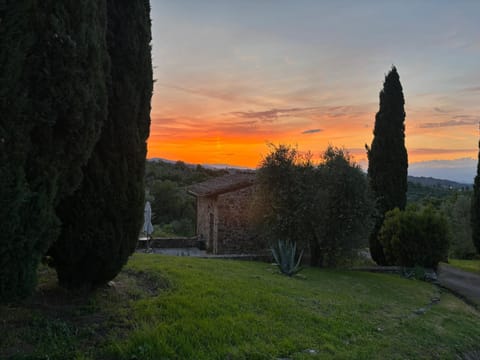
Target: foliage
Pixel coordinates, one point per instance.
(433, 194)
(178, 172)
(457, 211)
(475, 207)
(417, 273)
(414, 237)
(173, 210)
(172, 205)
(285, 255)
(340, 208)
(387, 157)
(327, 208)
(53, 102)
(217, 309)
(280, 205)
(101, 221)
(455, 204)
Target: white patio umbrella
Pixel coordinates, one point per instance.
(147, 225)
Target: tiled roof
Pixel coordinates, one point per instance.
(222, 184)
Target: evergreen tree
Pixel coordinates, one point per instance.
(102, 220)
(52, 105)
(475, 212)
(387, 157)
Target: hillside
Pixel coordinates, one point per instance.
(439, 183)
(163, 307)
(428, 189)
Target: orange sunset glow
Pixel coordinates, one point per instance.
(232, 77)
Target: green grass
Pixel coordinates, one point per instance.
(467, 265)
(185, 308)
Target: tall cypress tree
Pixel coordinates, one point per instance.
(53, 100)
(387, 157)
(475, 210)
(102, 220)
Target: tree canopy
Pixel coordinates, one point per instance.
(326, 209)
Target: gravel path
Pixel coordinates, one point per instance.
(462, 282)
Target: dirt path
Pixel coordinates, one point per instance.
(462, 282)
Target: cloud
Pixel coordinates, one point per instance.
(270, 115)
(228, 96)
(312, 131)
(437, 109)
(472, 89)
(435, 152)
(449, 123)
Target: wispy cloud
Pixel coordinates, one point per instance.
(472, 89)
(272, 114)
(440, 110)
(468, 120)
(312, 111)
(312, 131)
(229, 96)
(432, 151)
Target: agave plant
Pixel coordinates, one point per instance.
(285, 257)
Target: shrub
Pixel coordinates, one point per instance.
(414, 237)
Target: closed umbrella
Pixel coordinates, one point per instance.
(147, 225)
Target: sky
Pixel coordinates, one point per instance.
(232, 76)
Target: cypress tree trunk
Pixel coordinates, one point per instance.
(475, 210)
(102, 220)
(52, 105)
(387, 157)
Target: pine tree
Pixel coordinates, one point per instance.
(102, 220)
(52, 104)
(475, 210)
(387, 157)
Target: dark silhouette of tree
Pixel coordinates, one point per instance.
(53, 104)
(387, 157)
(475, 210)
(102, 220)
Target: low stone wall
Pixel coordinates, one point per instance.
(172, 242)
(380, 269)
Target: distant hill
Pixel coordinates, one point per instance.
(428, 188)
(442, 183)
(460, 170)
(206, 166)
(179, 172)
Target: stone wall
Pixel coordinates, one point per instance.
(174, 242)
(236, 234)
(207, 208)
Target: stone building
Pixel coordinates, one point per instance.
(223, 206)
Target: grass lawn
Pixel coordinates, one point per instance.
(467, 265)
(164, 307)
